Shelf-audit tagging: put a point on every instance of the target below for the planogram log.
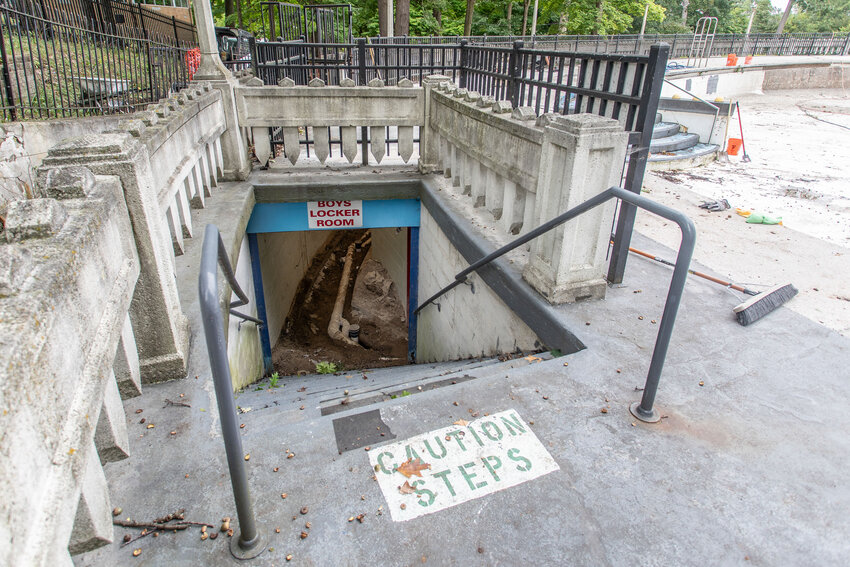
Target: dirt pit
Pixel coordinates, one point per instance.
(371, 301)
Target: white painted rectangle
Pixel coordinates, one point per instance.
(487, 455)
(334, 214)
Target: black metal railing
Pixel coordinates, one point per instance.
(644, 409)
(634, 44)
(116, 17)
(358, 61)
(249, 543)
(55, 66)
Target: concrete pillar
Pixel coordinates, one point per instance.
(93, 520)
(582, 155)
(110, 436)
(211, 67)
(161, 329)
(236, 165)
(126, 364)
(429, 141)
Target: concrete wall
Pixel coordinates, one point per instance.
(68, 270)
(23, 145)
(284, 259)
(836, 76)
(389, 247)
(244, 350)
(467, 324)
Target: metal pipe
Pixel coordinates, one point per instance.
(642, 410)
(250, 543)
(714, 106)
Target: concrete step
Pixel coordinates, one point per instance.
(657, 117)
(665, 129)
(694, 156)
(673, 143)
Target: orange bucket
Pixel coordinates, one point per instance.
(734, 146)
(731, 60)
(748, 59)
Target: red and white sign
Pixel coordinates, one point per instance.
(334, 214)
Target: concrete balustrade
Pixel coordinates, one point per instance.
(68, 271)
(319, 107)
(525, 170)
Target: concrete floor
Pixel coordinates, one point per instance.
(750, 465)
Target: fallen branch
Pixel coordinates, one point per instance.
(170, 403)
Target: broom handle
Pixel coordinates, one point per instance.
(694, 272)
(741, 128)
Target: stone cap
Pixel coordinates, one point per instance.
(73, 182)
(34, 218)
(584, 124)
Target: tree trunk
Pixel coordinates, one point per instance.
(563, 20)
(510, 12)
(685, 4)
(438, 15)
(785, 15)
(467, 24)
(525, 4)
(597, 27)
(228, 12)
(402, 17)
(383, 29)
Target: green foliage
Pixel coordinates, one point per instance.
(403, 394)
(273, 380)
(326, 367)
(446, 17)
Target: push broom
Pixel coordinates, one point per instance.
(754, 308)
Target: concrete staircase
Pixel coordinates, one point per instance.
(673, 148)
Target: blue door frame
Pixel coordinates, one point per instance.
(292, 217)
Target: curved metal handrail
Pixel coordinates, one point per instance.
(249, 543)
(643, 410)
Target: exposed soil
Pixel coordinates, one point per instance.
(304, 341)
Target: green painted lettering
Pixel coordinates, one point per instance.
(496, 434)
(469, 476)
(411, 453)
(458, 436)
(512, 422)
(445, 476)
(474, 434)
(513, 454)
(425, 491)
(384, 469)
(496, 464)
(431, 451)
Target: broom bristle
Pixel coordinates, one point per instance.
(766, 302)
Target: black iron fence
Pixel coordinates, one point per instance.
(680, 44)
(58, 66)
(360, 61)
(116, 17)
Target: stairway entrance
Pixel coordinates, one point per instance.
(336, 283)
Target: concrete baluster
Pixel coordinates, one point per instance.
(262, 147)
(321, 143)
(349, 142)
(494, 193)
(478, 181)
(405, 142)
(291, 145)
(378, 137)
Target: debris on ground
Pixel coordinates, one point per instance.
(174, 522)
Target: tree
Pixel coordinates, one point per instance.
(785, 15)
(402, 17)
(467, 24)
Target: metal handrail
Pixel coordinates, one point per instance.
(250, 543)
(642, 410)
